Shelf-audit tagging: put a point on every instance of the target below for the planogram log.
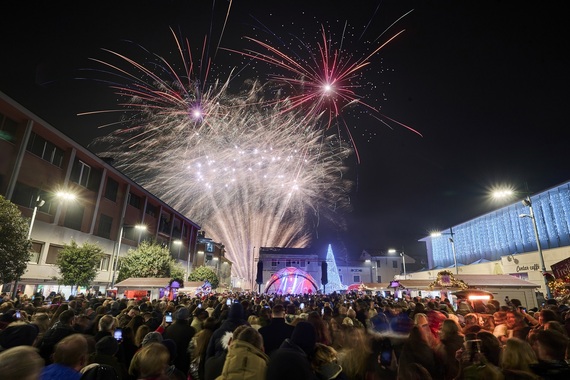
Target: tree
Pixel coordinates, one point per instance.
(204, 273)
(78, 264)
(14, 243)
(149, 259)
(177, 270)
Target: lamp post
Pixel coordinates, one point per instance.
(528, 203)
(452, 241)
(38, 203)
(115, 261)
(402, 254)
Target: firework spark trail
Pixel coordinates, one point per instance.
(250, 174)
(328, 81)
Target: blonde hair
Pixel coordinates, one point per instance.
(21, 362)
(106, 323)
(151, 360)
(517, 354)
(323, 354)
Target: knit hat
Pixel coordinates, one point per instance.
(107, 346)
(182, 314)
(152, 336)
(304, 336)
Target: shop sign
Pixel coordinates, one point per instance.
(526, 268)
(561, 269)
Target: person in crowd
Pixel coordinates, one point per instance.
(417, 349)
(471, 320)
(214, 365)
(18, 334)
(516, 360)
(106, 327)
(324, 363)
(181, 332)
(451, 339)
(555, 325)
(197, 348)
(60, 330)
(200, 316)
(140, 334)
(490, 347)
(106, 353)
(70, 356)
(298, 349)
(235, 318)
(413, 371)
(276, 331)
(245, 358)
(321, 327)
(95, 371)
(150, 362)
(551, 348)
(516, 325)
(500, 330)
(21, 362)
(355, 353)
(41, 320)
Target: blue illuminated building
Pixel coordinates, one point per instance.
(506, 232)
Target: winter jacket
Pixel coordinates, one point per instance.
(244, 362)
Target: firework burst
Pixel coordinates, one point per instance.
(252, 171)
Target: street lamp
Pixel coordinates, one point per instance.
(39, 203)
(528, 203)
(392, 251)
(115, 261)
(452, 241)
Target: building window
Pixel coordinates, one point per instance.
(288, 263)
(340, 277)
(80, 173)
(356, 279)
(53, 252)
(394, 263)
(111, 189)
(105, 224)
(8, 128)
(274, 263)
(27, 196)
(302, 264)
(74, 217)
(150, 210)
(36, 252)
(45, 149)
(135, 200)
(104, 264)
(379, 279)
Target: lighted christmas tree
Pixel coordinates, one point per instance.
(334, 284)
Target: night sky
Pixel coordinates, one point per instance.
(485, 83)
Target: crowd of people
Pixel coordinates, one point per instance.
(353, 336)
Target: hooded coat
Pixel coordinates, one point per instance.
(244, 362)
(235, 318)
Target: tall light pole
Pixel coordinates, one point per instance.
(403, 255)
(39, 202)
(528, 203)
(452, 241)
(115, 262)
